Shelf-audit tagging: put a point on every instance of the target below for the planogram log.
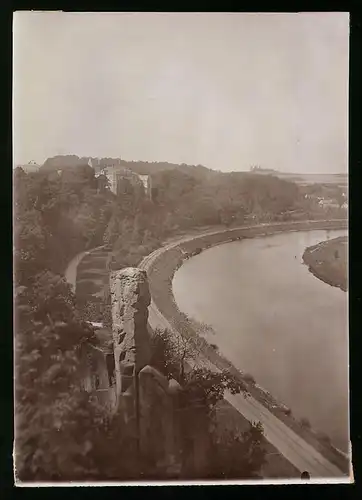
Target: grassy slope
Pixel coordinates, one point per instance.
(328, 261)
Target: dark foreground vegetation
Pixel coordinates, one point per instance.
(62, 433)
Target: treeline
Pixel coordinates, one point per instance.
(56, 216)
(181, 201)
(61, 432)
(64, 208)
(139, 167)
(225, 198)
(185, 197)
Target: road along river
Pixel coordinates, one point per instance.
(295, 449)
(274, 319)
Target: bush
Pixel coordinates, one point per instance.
(236, 455)
(93, 311)
(324, 438)
(304, 422)
(249, 378)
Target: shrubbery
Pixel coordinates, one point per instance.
(61, 433)
(304, 422)
(232, 454)
(55, 218)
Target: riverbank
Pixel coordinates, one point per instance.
(328, 261)
(161, 274)
(163, 263)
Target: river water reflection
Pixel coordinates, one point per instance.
(274, 319)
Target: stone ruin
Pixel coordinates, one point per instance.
(143, 394)
(130, 298)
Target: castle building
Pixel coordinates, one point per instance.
(116, 172)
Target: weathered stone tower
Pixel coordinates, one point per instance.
(143, 394)
(130, 297)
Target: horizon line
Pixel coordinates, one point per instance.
(180, 164)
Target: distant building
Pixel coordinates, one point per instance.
(147, 183)
(30, 167)
(115, 173)
(112, 175)
(259, 170)
(328, 203)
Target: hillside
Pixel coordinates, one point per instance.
(57, 217)
(139, 167)
(197, 171)
(190, 196)
(306, 179)
(64, 209)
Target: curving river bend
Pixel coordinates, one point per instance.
(272, 318)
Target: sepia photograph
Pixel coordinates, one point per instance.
(180, 248)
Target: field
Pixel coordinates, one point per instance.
(304, 179)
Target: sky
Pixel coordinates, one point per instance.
(227, 91)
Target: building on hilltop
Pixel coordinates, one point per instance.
(30, 167)
(147, 184)
(326, 203)
(115, 172)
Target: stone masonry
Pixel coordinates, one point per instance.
(143, 394)
(130, 298)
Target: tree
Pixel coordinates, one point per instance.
(170, 353)
(207, 387)
(176, 356)
(30, 245)
(71, 437)
(230, 455)
(102, 183)
(304, 422)
(237, 455)
(49, 296)
(56, 217)
(340, 197)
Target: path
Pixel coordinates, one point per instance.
(295, 449)
(71, 270)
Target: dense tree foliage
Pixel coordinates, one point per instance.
(183, 197)
(61, 432)
(56, 216)
(47, 395)
(232, 454)
(237, 455)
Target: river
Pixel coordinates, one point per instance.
(273, 319)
